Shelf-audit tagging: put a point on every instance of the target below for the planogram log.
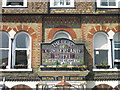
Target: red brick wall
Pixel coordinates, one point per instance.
(80, 27)
(69, 30)
(35, 62)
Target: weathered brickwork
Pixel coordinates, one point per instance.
(34, 29)
(84, 28)
(22, 18)
(40, 7)
(43, 7)
(80, 8)
(42, 22)
(42, 29)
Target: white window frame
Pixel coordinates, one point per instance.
(64, 32)
(109, 62)
(4, 4)
(114, 48)
(99, 4)
(9, 50)
(52, 4)
(11, 53)
(27, 49)
(111, 50)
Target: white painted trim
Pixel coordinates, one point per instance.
(9, 60)
(52, 4)
(13, 53)
(115, 60)
(64, 32)
(12, 33)
(109, 53)
(111, 69)
(21, 48)
(17, 6)
(99, 6)
(8, 70)
(110, 47)
(28, 49)
(9, 48)
(101, 48)
(111, 34)
(4, 48)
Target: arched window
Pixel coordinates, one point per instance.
(4, 48)
(21, 87)
(102, 87)
(117, 49)
(21, 48)
(100, 45)
(62, 34)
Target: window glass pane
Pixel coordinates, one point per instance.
(117, 40)
(117, 64)
(21, 57)
(117, 45)
(56, 2)
(117, 37)
(100, 41)
(117, 54)
(104, 3)
(22, 41)
(4, 40)
(4, 57)
(67, 2)
(62, 34)
(112, 3)
(62, 2)
(101, 56)
(15, 2)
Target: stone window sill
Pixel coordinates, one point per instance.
(16, 70)
(110, 69)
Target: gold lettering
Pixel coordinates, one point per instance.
(44, 78)
(75, 78)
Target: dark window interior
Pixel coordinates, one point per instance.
(4, 57)
(104, 3)
(117, 54)
(101, 56)
(15, 2)
(112, 3)
(21, 57)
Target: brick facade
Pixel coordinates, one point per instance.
(42, 22)
(42, 7)
(44, 29)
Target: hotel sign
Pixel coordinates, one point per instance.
(59, 78)
(63, 51)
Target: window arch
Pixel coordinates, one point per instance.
(4, 48)
(61, 34)
(21, 87)
(21, 50)
(116, 50)
(102, 87)
(100, 45)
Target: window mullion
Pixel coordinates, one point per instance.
(4, 48)
(64, 2)
(10, 52)
(108, 1)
